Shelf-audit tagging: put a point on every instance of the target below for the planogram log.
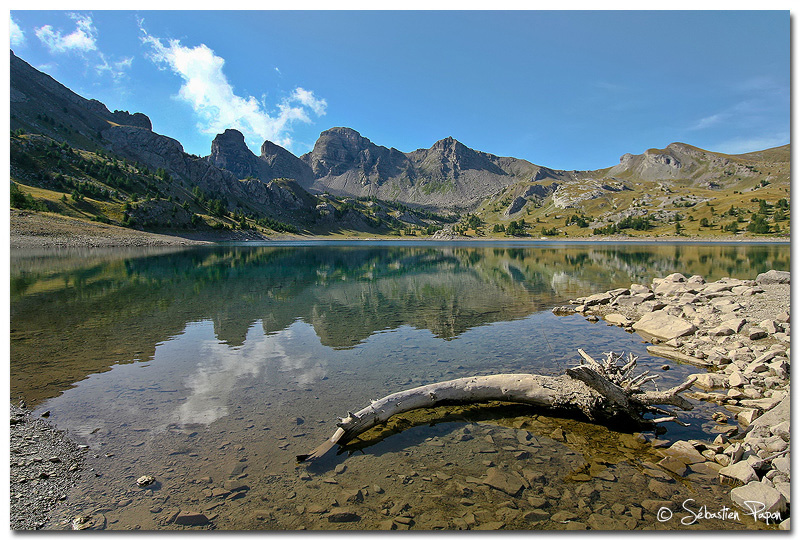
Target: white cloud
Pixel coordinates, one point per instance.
(83, 39)
(16, 34)
(207, 89)
(709, 121)
(116, 69)
(306, 97)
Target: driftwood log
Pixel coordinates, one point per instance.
(604, 391)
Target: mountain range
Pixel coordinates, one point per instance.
(347, 181)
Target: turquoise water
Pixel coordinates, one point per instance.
(197, 364)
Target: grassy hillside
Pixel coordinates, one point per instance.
(48, 175)
(717, 196)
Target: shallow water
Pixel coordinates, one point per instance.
(211, 368)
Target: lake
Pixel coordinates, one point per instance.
(211, 368)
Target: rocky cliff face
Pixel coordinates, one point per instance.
(679, 161)
(229, 152)
(340, 151)
(40, 104)
(284, 164)
(448, 175)
(279, 200)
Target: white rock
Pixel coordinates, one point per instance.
(770, 326)
(785, 489)
(782, 464)
(721, 330)
(709, 381)
(663, 326)
(756, 492)
(597, 299)
(619, 319)
(773, 277)
(740, 472)
(746, 416)
(669, 288)
(639, 289)
(782, 430)
(737, 379)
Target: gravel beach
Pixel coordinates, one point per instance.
(45, 464)
(37, 229)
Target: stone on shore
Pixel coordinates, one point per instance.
(663, 326)
(740, 472)
(773, 277)
(755, 492)
(618, 319)
(678, 356)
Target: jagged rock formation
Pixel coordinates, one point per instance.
(280, 200)
(40, 104)
(446, 175)
(229, 152)
(284, 164)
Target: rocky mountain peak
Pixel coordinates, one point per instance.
(339, 149)
(230, 152)
(283, 164)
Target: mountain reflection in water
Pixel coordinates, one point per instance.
(77, 313)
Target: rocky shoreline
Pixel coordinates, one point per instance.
(45, 464)
(740, 331)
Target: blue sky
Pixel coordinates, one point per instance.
(567, 90)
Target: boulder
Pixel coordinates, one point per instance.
(770, 326)
(618, 319)
(721, 330)
(740, 472)
(776, 415)
(663, 326)
(669, 288)
(673, 465)
(750, 495)
(597, 299)
(709, 381)
(684, 452)
(737, 379)
(639, 289)
(757, 333)
(746, 416)
(773, 277)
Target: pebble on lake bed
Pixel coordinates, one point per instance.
(144, 481)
